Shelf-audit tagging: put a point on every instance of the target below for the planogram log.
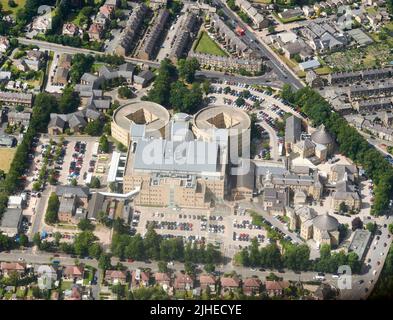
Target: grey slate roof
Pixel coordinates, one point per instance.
(81, 192)
(293, 129)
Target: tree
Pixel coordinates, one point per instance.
(206, 87)
(104, 144)
(74, 182)
(188, 68)
(80, 64)
(104, 262)
(57, 235)
(94, 128)
(372, 227)
(343, 207)
(69, 100)
(125, 93)
(271, 29)
(95, 183)
(23, 240)
(209, 268)
(52, 209)
(391, 228)
(189, 268)
(37, 239)
(85, 224)
(162, 266)
(167, 74)
(83, 241)
(357, 223)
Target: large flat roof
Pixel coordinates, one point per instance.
(11, 218)
(158, 155)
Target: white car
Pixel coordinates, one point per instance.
(335, 276)
(374, 272)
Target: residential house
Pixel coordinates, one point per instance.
(70, 29)
(107, 11)
(162, 279)
(142, 79)
(95, 32)
(208, 281)
(183, 282)
(4, 44)
(141, 278)
(73, 272)
(61, 77)
(276, 288)
(7, 268)
(15, 98)
(154, 34)
(18, 118)
(131, 31)
(229, 284)
(251, 286)
(115, 276)
(313, 80)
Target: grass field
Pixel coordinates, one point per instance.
(209, 46)
(6, 157)
(8, 10)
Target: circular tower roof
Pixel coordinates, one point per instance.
(321, 136)
(326, 222)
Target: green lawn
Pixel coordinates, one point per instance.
(208, 45)
(66, 285)
(8, 10)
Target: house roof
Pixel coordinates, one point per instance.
(81, 192)
(230, 282)
(73, 270)
(207, 279)
(251, 282)
(12, 266)
(115, 274)
(276, 285)
(161, 276)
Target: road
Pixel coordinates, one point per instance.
(46, 258)
(264, 80)
(283, 72)
(273, 140)
(39, 212)
(376, 255)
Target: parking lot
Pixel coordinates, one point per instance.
(232, 230)
(81, 161)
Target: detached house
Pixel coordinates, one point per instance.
(207, 281)
(183, 282)
(73, 272)
(162, 279)
(95, 31)
(8, 267)
(276, 288)
(251, 286)
(140, 278)
(229, 284)
(115, 276)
